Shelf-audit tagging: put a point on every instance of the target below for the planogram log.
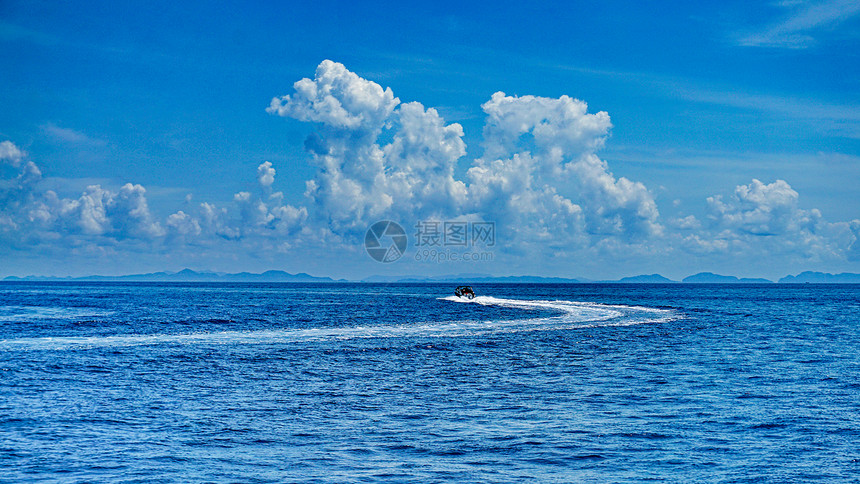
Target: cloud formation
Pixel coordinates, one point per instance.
(764, 210)
(766, 220)
(31, 215)
(102, 216)
(337, 98)
(9, 153)
(537, 175)
(266, 174)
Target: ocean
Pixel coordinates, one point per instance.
(196, 382)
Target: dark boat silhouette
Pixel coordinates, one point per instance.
(464, 291)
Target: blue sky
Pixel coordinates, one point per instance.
(135, 136)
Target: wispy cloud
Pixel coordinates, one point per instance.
(795, 31)
(14, 33)
(840, 120)
(11, 32)
(70, 136)
(796, 108)
(835, 119)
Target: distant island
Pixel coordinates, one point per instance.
(809, 277)
(644, 279)
(188, 275)
(711, 278)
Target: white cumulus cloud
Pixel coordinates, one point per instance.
(10, 153)
(761, 219)
(539, 175)
(536, 174)
(105, 216)
(266, 174)
(39, 215)
(338, 98)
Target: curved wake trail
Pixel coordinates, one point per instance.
(570, 315)
(574, 314)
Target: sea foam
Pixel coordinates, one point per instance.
(567, 315)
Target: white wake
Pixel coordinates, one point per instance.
(571, 314)
(565, 315)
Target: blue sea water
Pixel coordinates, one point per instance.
(103, 382)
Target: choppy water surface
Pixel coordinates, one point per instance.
(404, 383)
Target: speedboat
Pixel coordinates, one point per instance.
(464, 291)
